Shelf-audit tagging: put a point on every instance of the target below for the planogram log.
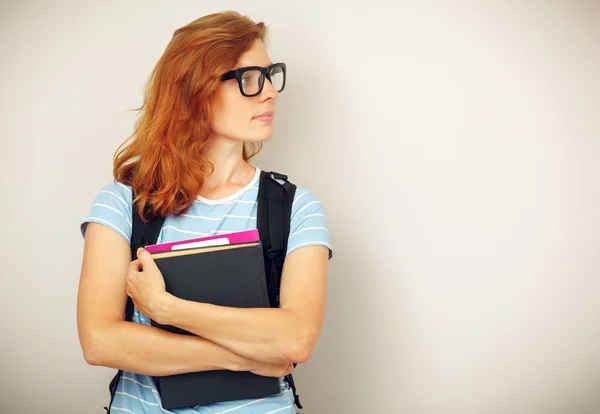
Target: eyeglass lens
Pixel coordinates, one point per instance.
(252, 80)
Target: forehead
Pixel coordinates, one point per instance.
(257, 55)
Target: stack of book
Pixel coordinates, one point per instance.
(224, 270)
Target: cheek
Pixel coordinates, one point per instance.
(231, 115)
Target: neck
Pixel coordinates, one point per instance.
(229, 165)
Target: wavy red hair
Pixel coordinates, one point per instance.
(163, 161)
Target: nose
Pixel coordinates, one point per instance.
(269, 91)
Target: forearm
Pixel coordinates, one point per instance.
(260, 334)
(151, 351)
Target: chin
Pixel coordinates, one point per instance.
(260, 137)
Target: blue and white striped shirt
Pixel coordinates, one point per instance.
(137, 394)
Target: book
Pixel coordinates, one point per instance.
(225, 275)
(245, 236)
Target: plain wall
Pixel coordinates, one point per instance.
(454, 146)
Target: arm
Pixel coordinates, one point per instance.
(109, 341)
(284, 335)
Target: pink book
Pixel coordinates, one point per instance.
(245, 236)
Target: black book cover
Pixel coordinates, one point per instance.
(230, 275)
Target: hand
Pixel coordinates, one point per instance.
(272, 370)
(146, 286)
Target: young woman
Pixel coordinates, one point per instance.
(209, 105)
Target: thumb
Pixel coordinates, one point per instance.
(145, 258)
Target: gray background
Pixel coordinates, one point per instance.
(454, 146)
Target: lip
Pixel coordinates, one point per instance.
(265, 116)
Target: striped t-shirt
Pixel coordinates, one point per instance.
(137, 394)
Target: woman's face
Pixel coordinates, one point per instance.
(238, 117)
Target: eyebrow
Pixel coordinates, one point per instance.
(245, 66)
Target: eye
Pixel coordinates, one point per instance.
(251, 77)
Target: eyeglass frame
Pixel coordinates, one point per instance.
(238, 73)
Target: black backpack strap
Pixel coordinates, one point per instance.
(142, 234)
(275, 199)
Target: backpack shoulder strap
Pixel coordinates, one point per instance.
(142, 234)
(275, 199)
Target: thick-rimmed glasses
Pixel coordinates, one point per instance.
(251, 79)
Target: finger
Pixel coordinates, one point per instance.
(145, 258)
(135, 265)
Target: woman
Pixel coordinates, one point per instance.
(203, 114)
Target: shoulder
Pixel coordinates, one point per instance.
(306, 202)
(112, 208)
(308, 226)
(303, 198)
(115, 191)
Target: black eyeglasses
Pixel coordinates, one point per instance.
(251, 79)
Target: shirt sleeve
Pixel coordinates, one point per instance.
(112, 208)
(308, 226)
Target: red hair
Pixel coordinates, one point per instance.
(163, 162)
